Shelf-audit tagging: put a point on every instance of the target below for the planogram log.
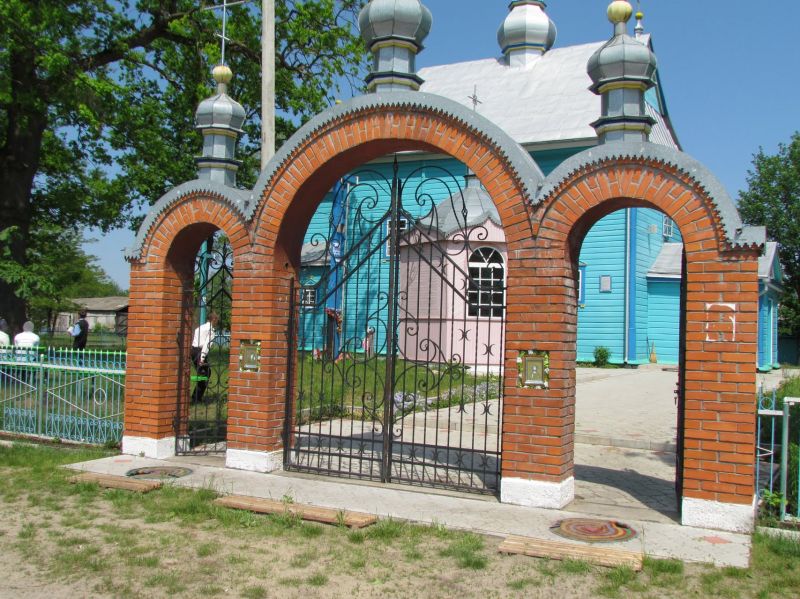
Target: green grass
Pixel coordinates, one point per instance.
(467, 551)
(353, 386)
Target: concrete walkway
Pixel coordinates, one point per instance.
(480, 514)
(624, 469)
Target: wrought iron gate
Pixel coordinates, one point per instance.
(398, 322)
(202, 414)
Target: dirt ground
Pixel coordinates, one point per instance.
(103, 544)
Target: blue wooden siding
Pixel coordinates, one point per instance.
(649, 241)
(601, 319)
(767, 329)
(663, 318)
(764, 359)
(776, 361)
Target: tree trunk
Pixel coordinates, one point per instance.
(19, 161)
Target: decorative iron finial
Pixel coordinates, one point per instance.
(639, 30)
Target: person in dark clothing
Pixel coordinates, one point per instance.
(80, 331)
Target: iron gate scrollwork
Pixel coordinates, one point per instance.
(202, 411)
(398, 321)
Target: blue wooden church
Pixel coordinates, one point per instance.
(540, 94)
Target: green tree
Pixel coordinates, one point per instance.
(97, 99)
(773, 199)
(63, 271)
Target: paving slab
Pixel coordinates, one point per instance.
(474, 513)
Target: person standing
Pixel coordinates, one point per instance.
(80, 331)
(27, 339)
(201, 345)
(5, 340)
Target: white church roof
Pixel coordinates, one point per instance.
(669, 260)
(546, 101)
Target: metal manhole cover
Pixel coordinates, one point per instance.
(159, 472)
(593, 531)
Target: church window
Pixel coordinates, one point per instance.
(486, 290)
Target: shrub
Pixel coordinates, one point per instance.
(601, 356)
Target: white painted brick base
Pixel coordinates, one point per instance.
(160, 449)
(732, 517)
(254, 461)
(537, 493)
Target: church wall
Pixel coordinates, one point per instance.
(603, 253)
(663, 318)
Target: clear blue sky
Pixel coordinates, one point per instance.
(729, 70)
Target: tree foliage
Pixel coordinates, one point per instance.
(97, 99)
(773, 199)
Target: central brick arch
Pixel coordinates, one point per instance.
(290, 190)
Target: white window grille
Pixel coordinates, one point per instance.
(668, 227)
(486, 290)
(308, 297)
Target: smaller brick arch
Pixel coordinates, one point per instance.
(720, 338)
(162, 274)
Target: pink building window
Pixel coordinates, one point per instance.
(487, 273)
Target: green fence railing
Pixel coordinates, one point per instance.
(61, 393)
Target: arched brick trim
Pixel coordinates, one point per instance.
(159, 315)
(678, 164)
(235, 199)
(721, 329)
(468, 124)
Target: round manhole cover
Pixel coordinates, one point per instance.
(159, 472)
(593, 531)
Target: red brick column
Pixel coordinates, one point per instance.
(160, 319)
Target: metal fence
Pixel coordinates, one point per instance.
(778, 455)
(61, 393)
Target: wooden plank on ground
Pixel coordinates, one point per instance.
(560, 550)
(113, 481)
(305, 512)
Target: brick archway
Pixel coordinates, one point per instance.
(543, 222)
(157, 367)
(721, 340)
(290, 191)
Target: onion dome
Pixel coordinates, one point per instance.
(623, 58)
(393, 31)
(621, 72)
(220, 119)
(527, 32)
(220, 110)
(408, 20)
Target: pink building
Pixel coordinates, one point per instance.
(452, 300)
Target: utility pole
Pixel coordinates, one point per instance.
(267, 81)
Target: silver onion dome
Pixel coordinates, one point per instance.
(220, 110)
(527, 27)
(622, 58)
(407, 20)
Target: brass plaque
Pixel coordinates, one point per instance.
(533, 367)
(249, 356)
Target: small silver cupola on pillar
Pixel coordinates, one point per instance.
(219, 118)
(394, 31)
(527, 32)
(622, 71)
